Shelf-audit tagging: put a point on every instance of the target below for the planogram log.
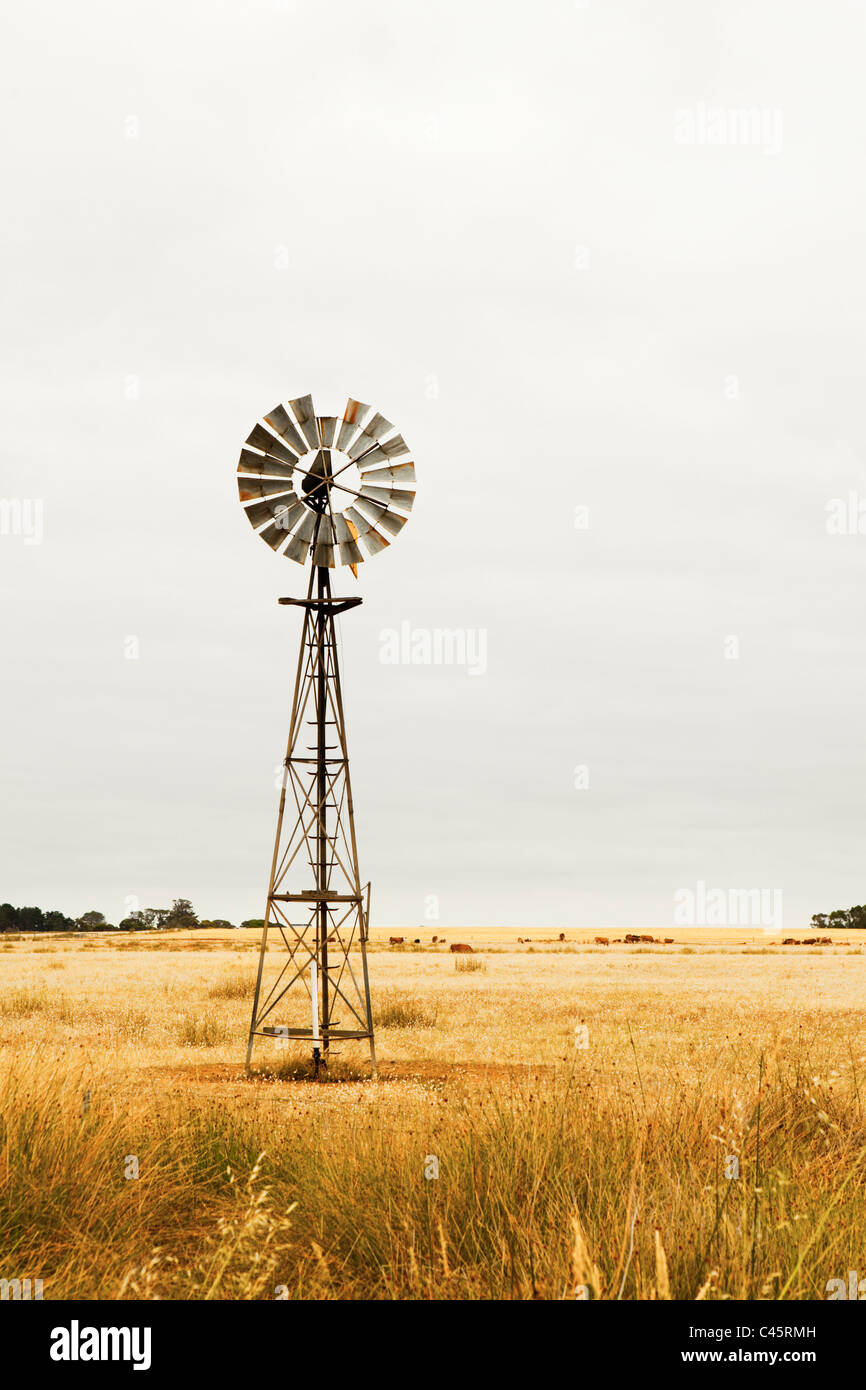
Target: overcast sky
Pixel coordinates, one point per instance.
(622, 328)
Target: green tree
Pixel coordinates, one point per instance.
(182, 914)
(91, 921)
(8, 917)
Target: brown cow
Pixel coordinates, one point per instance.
(650, 939)
(602, 941)
(630, 937)
(396, 941)
(669, 941)
(460, 946)
(790, 941)
(435, 939)
(562, 936)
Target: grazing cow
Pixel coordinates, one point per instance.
(630, 937)
(790, 941)
(520, 940)
(650, 939)
(460, 946)
(417, 941)
(601, 941)
(562, 936)
(435, 939)
(669, 941)
(396, 941)
(825, 941)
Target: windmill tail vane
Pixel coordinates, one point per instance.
(328, 490)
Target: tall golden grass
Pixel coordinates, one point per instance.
(563, 1172)
(548, 1188)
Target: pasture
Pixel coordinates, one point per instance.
(561, 1120)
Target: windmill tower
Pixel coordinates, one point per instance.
(326, 490)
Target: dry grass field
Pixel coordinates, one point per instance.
(588, 1108)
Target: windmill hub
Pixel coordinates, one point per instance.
(332, 481)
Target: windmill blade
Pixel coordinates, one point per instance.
(249, 489)
(281, 423)
(373, 456)
(306, 418)
(392, 522)
(399, 475)
(287, 512)
(343, 531)
(323, 551)
(262, 439)
(257, 464)
(327, 429)
(370, 509)
(307, 527)
(369, 435)
(275, 535)
(350, 553)
(297, 550)
(258, 513)
(373, 541)
(395, 447)
(391, 496)
(353, 417)
(323, 554)
(378, 426)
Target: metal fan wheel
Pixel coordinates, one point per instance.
(326, 489)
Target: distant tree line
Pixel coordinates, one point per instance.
(180, 914)
(842, 917)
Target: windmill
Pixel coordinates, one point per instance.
(327, 490)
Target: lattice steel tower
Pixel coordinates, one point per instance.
(319, 488)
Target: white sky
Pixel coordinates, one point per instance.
(491, 233)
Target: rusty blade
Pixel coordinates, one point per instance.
(369, 508)
(370, 435)
(395, 447)
(399, 475)
(376, 455)
(297, 550)
(281, 423)
(392, 522)
(306, 418)
(323, 554)
(259, 512)
(378, 426)
(327, 429)
(350, 553)
(275, 535)
(344, 532)
(357, 522)
(287, 512)
(260, 463)
(353, 417)
(391, 496)
(250, 489)
(307, 527)
(263, 439)
(373, 541)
